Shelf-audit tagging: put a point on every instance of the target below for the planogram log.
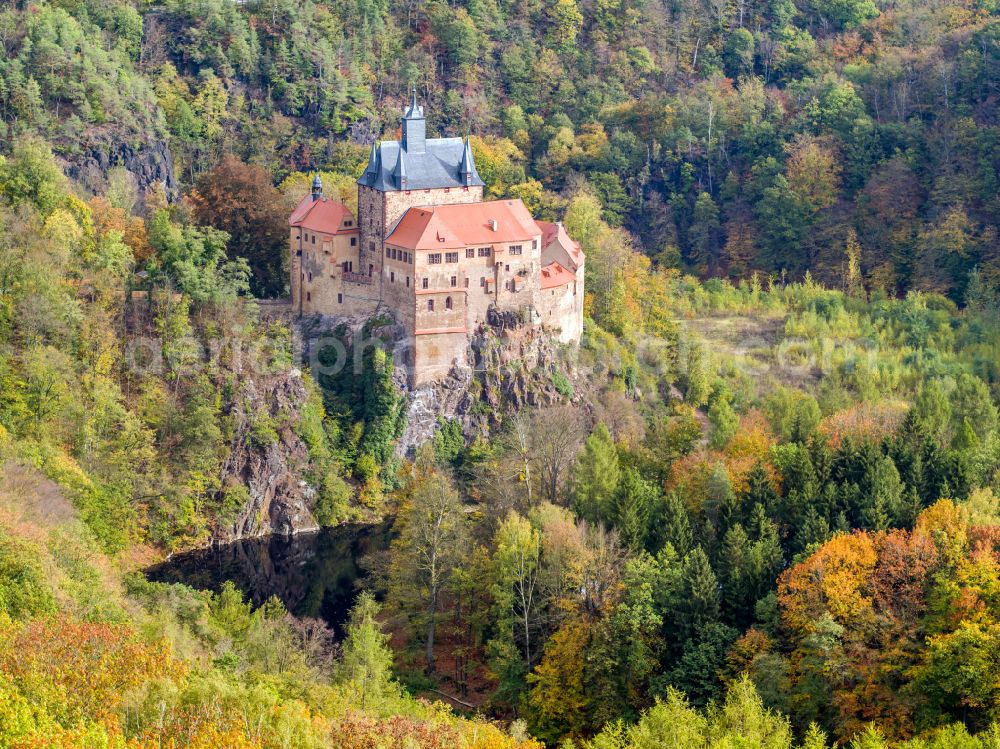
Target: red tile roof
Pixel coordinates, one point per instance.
(464, 225)
(323, 215)
(556, 231)
(554, 275)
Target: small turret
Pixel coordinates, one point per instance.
(414, 127)
(467, 169)
(400, 172)
(317, 187)
(373, 160)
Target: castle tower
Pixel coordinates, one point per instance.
(413, 171)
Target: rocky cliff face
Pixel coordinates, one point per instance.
(269, 459)
(509, 366)
(148, 159)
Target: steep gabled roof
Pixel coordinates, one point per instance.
(555, 234)
(323, 215)
(417, 163)
(448, 227)
(440, 165)
(554, 274)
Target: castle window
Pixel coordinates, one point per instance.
(506, 269)
(470, 252)
(354, 241)
(340, 298)
(447, 302)
(454, 280)
(534, 244)
(485, 252)
(482, 280)
(430, 305)
(388, 252)
(515, 249)
(298, 253)
(407, 282)
(371, 247)
(392, 277)
(451, 257)
(310, 278)
(309, 296)
(313, 240)
(434, 258)
(425, 283)
(348, 223)
(466, 282)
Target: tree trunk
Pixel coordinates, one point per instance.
(430, 635)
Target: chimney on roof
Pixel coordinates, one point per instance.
(414, 127)
(493, 224)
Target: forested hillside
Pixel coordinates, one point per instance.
(728, 135)
(760, 507)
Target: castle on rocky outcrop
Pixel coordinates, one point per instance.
(426, 246)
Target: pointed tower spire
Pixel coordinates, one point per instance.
(317, 187)
(400, 172)
(414, 127)
(467, 173)
(373, 159)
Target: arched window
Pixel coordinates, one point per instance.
(447, 303)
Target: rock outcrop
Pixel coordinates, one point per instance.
(269, 459)
(148, 160)
(510, 365)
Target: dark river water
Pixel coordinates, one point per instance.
(314, 574)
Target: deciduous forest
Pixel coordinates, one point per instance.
(757, 506)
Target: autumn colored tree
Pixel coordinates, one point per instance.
(240, 199)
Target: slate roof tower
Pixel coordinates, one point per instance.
(413, 171)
